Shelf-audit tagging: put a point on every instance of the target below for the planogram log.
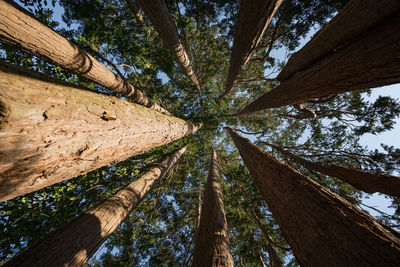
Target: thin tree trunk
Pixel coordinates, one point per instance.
(254, 18)
(356, 17)
(51, 132)
(322, 228)
(371, 60)
(212, 241)
(273, 252)
(20, 29)
(76, 242)
(271, 248)
(158, 13)
(367, 182)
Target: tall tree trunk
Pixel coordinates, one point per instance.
(368, 182)
(322, 228)
(20, 29)
(372, 59)
(158, 13)
(356, 17)
(51, 132)
(254, 18)
(212, 241)
(75, 242)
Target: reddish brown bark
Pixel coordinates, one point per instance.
(367, 182)
(371, 60)
(356, 17)
(75, 243)
(22, 30)
(321, 228)
(51, 132)
(158, 13)
(254, 18)
(212, 241)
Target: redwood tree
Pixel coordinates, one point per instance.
(75, 243)
(22, 30)
(158, 13)
(51, 132)
(356, 17)
(367, 182)
(212, 241)
(371, 59)
(322, 228)
(254, 18)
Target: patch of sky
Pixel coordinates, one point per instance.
(163, 77)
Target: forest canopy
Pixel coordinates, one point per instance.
(161, 230)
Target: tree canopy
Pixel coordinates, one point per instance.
(161, 231)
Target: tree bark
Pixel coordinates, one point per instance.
(212, 241)
(367, 182)
(321, 228)
(157, 12)
(51, 132)
(76, 242)
(254, 18)
(371, 60)
(356, 17)
(20, 29)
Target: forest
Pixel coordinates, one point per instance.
(198, 133)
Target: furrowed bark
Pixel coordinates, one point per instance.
(20, 29)
(372, 60)
(76, 242)
(321, 228)
(254, 18)
(157, 12)
(212, 242)
(356, 17)
(367, 182)
(51, 132)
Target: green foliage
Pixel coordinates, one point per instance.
(160, 232)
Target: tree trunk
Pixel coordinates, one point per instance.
(367, 182)
(254, 18)
(76, 242)
(22, 30)
(51, 132)
(322, 228)
(371, 60)
(157, 12)
(271, 248)
(356, 17)
(212, 241)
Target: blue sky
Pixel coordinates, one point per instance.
(371, 141)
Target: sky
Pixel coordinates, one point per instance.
(371, 141)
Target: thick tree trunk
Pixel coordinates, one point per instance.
(212, 241)
(367, 182)
(51, 132)
(75, 242)
(158, 13)
(371, 60)
(356, 17)
(322, 228)
(254, 18)
(22, 30)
